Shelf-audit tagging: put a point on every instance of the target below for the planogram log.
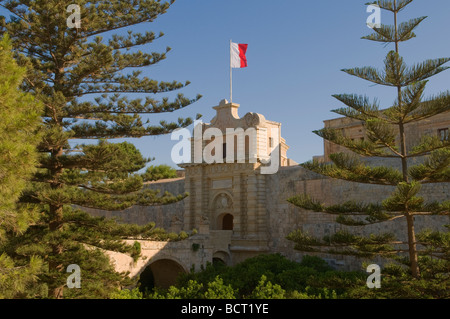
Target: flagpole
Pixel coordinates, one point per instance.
(231, 76)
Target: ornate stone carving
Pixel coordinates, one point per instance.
(222, 202)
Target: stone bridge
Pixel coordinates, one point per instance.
(163, 261)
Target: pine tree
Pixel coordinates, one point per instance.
(19, 124)
(385, 130)
(154, 173)
(86, 83)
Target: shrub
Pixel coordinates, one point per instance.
(266, 290)
(316, 263)
(127, 294)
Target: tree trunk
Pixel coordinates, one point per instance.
(55, 225)
(412, 246)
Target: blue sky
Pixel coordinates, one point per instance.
(295, 54)
(296, 51)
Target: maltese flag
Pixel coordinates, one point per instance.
(238, 58)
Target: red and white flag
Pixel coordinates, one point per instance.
(238, 58)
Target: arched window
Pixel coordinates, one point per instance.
(227, 222)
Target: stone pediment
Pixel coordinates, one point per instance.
(227, 117)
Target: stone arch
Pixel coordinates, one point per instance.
(161, 272)
(221, 257)
(221, 205)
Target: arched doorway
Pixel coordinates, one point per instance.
(227, 222)
(222, 205)
(221, 258)
(162, 273)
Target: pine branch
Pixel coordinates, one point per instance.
(424, 70)
(388, 5)
(427, 145)
(380, 133)
(122, 105)
(397, 74)
(128, 126)
(374, 213)
(364, 148)
(435, 169)
(345, 243)
(404, 199)
(350, 168)
(433, 106)
(359, 107)
(367, 73)
(387, 33)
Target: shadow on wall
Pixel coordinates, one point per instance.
(156, 267)
(161, 273)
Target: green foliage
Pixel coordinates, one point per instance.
(193, 290)
(20, 282)
(86, 80)
(217, 290)
(397, 283)
(154, 173)
(267, 276)
(316, 263)
(345, 243)
(266, 290)
(19, 136)
(127, 294)
(312, 278)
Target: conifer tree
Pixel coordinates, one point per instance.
(87, 73)
(385, 131)
(19, 123)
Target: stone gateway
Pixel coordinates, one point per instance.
(239, 212)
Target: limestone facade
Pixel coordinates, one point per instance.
(240, 212)
(230, 194)
(438, 125)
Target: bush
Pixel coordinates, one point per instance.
(281, 277)
(195, 290)
(127, 294)
(274, 276)
(266, 290)
(296, 279)
(217, 290)
(316, 263)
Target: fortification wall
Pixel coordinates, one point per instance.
(169, 217)
(285, 217)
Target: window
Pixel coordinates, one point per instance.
(443, 134)
(270, 142)
(227, 222)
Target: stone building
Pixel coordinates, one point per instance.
(437, 125)
(238, 205)
(230, 194)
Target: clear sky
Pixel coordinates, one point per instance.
(296, 51)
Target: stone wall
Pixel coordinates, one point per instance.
(169, 217)
(285, 217)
